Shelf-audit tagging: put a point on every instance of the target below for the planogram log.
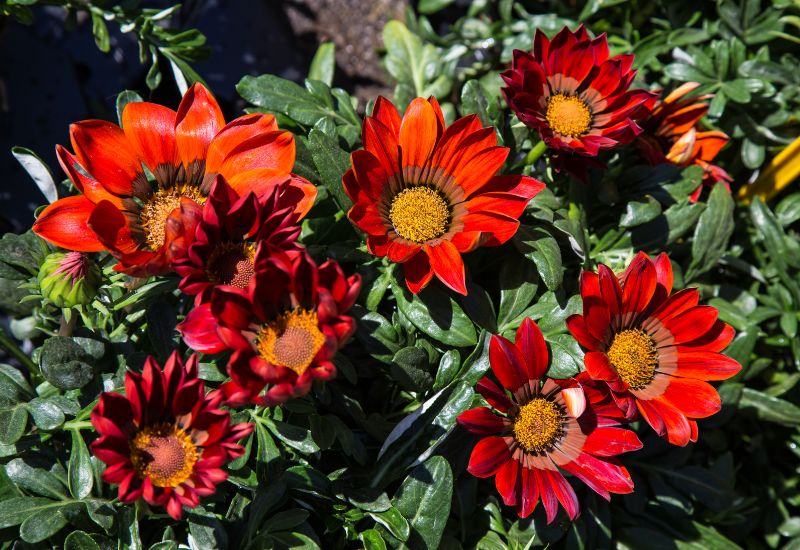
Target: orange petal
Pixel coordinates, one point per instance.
(150, 128)
(64, 224)
(199, 119)
(448, 266)
(235, 133)
(385, 111)
(89, 187)
(107, 155)
(418, 133)
(274, 150)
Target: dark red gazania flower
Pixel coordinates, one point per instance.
(653, 348)
(141, 216)
(285, 334)
(535, 428)
(574, 94)
(165, 440)
(233, 233)
(425, 194)
(671, 134)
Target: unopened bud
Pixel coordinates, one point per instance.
(68, 279)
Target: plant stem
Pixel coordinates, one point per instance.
(78, 425)
(12, 348)
(535, 153)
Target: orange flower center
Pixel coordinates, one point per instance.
(419, 214)
(539, 424)
(154, 213)
(633, 355)
(164, 453)
(292, 340)
(232, 264)
(568, 115)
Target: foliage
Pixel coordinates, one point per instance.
(375, 458)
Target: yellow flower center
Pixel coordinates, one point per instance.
(159, 206)
(232, 264)
(633, 355)
(568, 115)
(538, 425)
(164, 453)
(292, 340)
(419, 214)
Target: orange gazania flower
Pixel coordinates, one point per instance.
(140, 215)
(654, 349)
(425, 194)
(165, 440)
(574, 94)
(671, 135)
(537, 427)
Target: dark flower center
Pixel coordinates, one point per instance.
(633, 355)
(419, 214)
(292, 340)
(164, 453)
(232, 264)
(538, 425)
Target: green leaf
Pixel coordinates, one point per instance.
(38, 171)
(15, 510)
(752, 153)
(294, 436)
(100, 32)
(543, 249)
(80, 540)
(410, 369)
(34, 480)
(332, 162)
(394, 522)
(567, 357)
(474, 101)
(640, 211)
(42, 525)
(323, 64)
(432, 6)
(770, 409)
(424, 500)
(518, 286)
(372, 540)
(65, 364)
(79, 468)
(449, 366)
(206, 530)
(123, 98)
(713, 231)
(12, 423)
(46, 414)
(436, 314)
(19, 256)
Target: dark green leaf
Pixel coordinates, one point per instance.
(424, 500)
(79, 469)
(712, 233)
(332, 162)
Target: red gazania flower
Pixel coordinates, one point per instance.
(283, 337)
(165, 440)
(653, 348)
(671, 135)
(142, 218)
(233, 233)
(574, 94)
(425, 194)
(536, 428)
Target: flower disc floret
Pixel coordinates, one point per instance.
(292, 340)
(164, 453)
(419, 214)
(538, 425)
(568, 115)
(633, 355)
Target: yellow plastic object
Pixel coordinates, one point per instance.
(780, 172)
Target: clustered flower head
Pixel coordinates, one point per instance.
(218, 205)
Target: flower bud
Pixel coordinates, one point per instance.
(68, 279)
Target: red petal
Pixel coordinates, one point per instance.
(481, 421)
(577, 327)
(418, 133)
(150, 129)
(664, 271)
(693, 398)
(547, 493)
(506, 482)
(448, 266)
(508, 364)
(493, 395)
(112, 229)
(275, 150)
(705, 365)
(564, 492)
(640, 284)
(692, 324)
(611, 442)
(385, 111)
(234, 134)
(598, 366)
(607, 472)
(716, 339)
(106, 154)
(666, 421)
(533, 348)
(382, 143)
(488, 456)
(65, 223)
(199, 331)
(418, 272)
(199, 119)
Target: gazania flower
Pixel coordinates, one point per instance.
(165, 440)
(425, 194)
(283, 338)
(671, 135)
(536, 428)
(142, 217)
(232, 233)
(574, 94)
(653, 348)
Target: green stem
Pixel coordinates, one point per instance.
(12, 348)
(535, 153)
(78, 425)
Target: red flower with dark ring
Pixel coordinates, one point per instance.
(233, 233)
(425, 194)
(286, 335)
(575, 94)
(165, 440)
(671, 134)
(535, 428)
(655, 349)
(143, 216)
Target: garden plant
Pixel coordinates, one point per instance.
(545, 293)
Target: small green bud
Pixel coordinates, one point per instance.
(68, 279)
